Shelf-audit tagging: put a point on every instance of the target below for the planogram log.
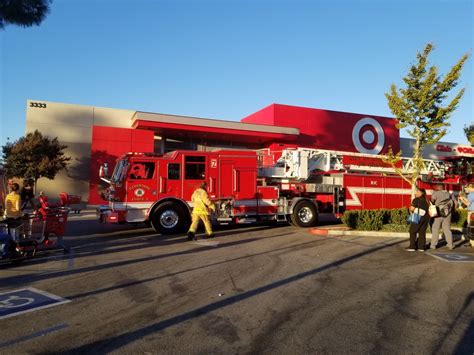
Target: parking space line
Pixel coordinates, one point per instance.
(206, 243)
(37, 334)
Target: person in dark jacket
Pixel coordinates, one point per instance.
(419, 205)
(27, 194)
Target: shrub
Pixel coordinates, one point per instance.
(394, 220)
(350, 218)
(374, 220)
(399, 216)
(459, 217)
(371, 220)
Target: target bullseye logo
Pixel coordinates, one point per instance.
(368, 136)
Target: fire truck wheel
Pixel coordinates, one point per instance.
(304, 214)
(168, 218)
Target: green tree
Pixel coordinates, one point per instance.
(423, 107)
(25, 13)
(34, 156)
(469, 132)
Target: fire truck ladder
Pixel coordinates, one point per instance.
(299, 163)
(430, 167)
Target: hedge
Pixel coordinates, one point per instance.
(374, 220)
(459, 218)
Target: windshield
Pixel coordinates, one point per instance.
(120, 170)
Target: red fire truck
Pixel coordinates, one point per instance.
(280, 183)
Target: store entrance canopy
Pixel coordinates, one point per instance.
(201, 128)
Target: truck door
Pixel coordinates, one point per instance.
(170, 179)
(226, 168)
(194, 174)
(141, 183)
(238, 178)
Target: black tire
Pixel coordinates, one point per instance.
(169, 218)
(304, 214)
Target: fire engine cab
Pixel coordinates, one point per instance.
(280, 183)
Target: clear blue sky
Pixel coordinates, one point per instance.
(226, 59)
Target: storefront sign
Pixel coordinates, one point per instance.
(458, 150)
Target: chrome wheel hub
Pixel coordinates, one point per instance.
(305, 215)
(169, 219)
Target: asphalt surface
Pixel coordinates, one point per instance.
(258, 289)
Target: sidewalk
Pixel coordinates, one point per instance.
(339, 230)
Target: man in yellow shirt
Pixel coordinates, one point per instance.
(201, 206)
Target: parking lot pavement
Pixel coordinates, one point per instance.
(257, 289)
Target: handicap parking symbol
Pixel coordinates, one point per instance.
(15, 302)
(456, 257)
(463, 258)
(25, 300)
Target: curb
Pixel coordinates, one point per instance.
(342, 232)
(345, 232)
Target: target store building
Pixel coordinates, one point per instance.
(95, 135)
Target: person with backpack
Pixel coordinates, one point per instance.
(445, 204)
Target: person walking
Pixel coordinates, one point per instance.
(444, 205)
(420, 206)
(12, 212)
(27, 194)
(469, 202)
(201, 206)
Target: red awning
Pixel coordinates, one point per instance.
(172, 129)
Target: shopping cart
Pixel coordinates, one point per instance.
(38, 232)
(26, 234)
(29, 228)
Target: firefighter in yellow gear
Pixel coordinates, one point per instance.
(201, 206)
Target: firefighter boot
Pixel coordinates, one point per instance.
(191, 236)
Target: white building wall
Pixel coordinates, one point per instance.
(72, 125)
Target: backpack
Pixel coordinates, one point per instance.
(446, 207)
